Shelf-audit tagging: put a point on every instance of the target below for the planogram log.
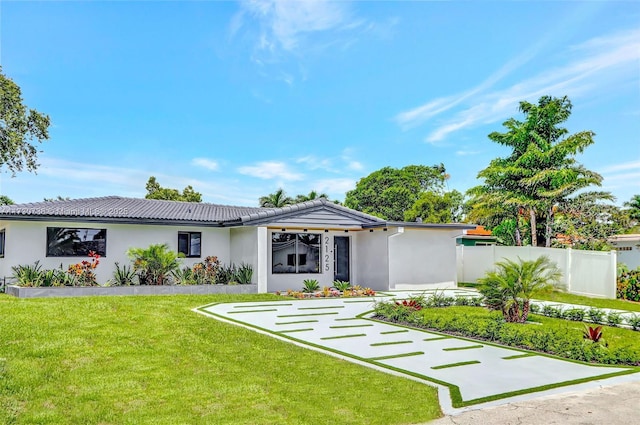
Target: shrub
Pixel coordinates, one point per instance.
(634, 321)
(439, 299)
(552, 311)
(27, 275)
(226, 274)
(244, 274)
(185, 276)
(628, 285)
(341, 285)
(83, 271)
(154, 265)
(614, 319)
(576, 314)
(595, 315)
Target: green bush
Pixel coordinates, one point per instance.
(595, 315)
(155, 264)
(552, 311)
(614, 319)
(628, 285)
(575, 314)
(553, 336)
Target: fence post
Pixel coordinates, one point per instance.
(614, 271)
(568, 266)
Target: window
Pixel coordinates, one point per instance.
(189, 243)
(295, 252)
(624, 248)
(73, 242)
(2, 236)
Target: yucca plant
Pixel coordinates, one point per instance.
(510, 288)
(244, 274)
(124, 276)
(184, 276)
(27, 275)
(310, 285)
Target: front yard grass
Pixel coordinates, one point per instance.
(565, 297)
(151, 360)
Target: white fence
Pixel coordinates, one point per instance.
(591, 273)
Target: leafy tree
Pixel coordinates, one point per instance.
(155, 191)
(389, 192)
(57, 198)
(5, 200)
(277, 199)
(634, 207)
(311, 196)
(19, 129)
(433, 207)
(541, 170)
(510, 288)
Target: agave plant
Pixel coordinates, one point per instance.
(244, 274)
(310, 285)
(124, 276)
(27, 275)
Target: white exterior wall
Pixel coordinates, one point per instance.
(26, 242)
(244, 248)
(422, 257)
(629, 257)
(370, 265)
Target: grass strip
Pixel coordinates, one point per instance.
(296, 322)
(253, 311)
(445, 366)
(437, 338)
(307, 314)
(359, 301)
(379, 344)
(343, 336)
(295, 330)
(261, 305)
(397, 356)
(364, 325)
(320, 308)
(518, 356)
(394, 332)
(346, 318)
(468, 347)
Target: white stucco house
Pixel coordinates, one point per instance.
(311, 240)
(628, 248)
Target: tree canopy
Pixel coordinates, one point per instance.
(433, 207)
(389, 192)
(277, 199)
(20, 127)
(155, 191)
(5, 200)
(541, 171)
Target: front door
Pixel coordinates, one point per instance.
(341, 258)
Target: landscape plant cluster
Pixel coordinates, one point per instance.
(311, 289)
(628, 284)
(79, 274)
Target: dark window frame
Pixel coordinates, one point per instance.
(189, 237)
(69, 247)
(295, 259)
(3, 239)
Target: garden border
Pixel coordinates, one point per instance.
(90, 291)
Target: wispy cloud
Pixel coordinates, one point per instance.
(270, 170)
(209, 164)
(624, 166)
(610, 58)
(335, 186)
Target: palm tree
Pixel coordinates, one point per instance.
(634, 207)
(277, 199)
(510, 288)
(311, 196)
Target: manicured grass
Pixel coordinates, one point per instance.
(151, 360)
(565, 297)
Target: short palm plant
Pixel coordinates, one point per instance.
(154, 264)
(310, 285)
(510, 288)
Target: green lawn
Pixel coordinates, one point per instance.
(565, 297)
(151, 360)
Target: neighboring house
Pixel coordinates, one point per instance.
(476, 237)
(628, 247)
(311, 240)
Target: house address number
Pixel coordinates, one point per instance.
(327, 253)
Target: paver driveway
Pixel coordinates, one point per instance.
(473, 371)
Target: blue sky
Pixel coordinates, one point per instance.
(238, 99)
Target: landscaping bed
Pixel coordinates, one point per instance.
(81, 291)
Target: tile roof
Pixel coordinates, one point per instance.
(117, 208)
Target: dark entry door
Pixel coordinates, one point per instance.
(341, 258)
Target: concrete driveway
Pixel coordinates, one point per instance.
(474, 372)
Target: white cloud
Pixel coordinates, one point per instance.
(633, 165)
(591, 66)
(270, 170)
(335, 186)
(466, 153)
(209, 164)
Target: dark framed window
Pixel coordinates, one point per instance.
(75, 242)
(295, 252)
(2, 238)
(189, 243)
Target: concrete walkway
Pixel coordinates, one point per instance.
(473, 371)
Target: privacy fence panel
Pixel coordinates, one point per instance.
(590, 273)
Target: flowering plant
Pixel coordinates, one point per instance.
(83, 271)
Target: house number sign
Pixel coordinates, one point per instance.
(327, 253)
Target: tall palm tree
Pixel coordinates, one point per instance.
(277, 199)
(311, 196)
